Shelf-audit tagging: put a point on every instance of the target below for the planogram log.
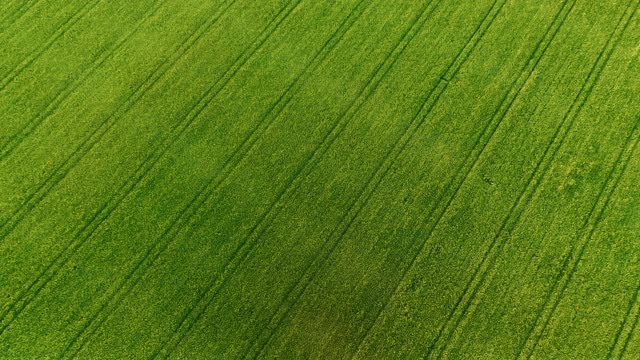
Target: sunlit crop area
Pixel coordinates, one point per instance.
(315, 179)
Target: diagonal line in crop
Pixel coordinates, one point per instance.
(487, 133)
(529, 67)
(528, 346)
(627, 328)
(241, 252)
(571, 262)
(21, 11)
(295, 292)
(61, 171)
(9, 314)
(10, 145)
(36, 53)
(585, 234)
(142, 265)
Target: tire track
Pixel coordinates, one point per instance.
(488, 132)
(586, 233)
(68, 24)
(479, 275)
(103, 128)
(10, 313)
(9, 146)
(17, 14)
(528, 346)
(20, 302)
(488, 260)
(114, 299)
(625, 332)
(295, 292)
(264, 123)
(247, 244)
(453, 187)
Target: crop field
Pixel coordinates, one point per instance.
(319, 179)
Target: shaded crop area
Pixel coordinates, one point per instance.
(297, 179)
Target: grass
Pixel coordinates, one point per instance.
(299, 179)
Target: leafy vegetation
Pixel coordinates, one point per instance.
(319, 179)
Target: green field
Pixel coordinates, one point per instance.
(319, 179)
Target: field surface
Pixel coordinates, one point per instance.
(319, 179)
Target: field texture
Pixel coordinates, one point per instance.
(319, 179)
